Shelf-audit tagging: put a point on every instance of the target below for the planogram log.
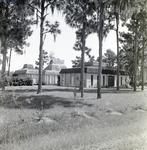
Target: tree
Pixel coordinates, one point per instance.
(120, 8)
(78, 47)
(41, 7)
(100, 36)
(134, 44)
(143, 23)
(76, 62)
(109, 58)
(127, 54)
(14, 28)
(78, 15)
(45, 59)
(103, 24)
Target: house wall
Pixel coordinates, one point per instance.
(50, 79)
(77, 79)
(67, 79)
(73, 79)
(89, 80)
(34, 77)
(122, 80)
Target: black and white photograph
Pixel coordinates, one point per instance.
(73, 74)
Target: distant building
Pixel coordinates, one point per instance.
(71, 77)
(27, 71)
(50, 73)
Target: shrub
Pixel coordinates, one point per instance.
(29, 81)
(20, 81)
(8, 99)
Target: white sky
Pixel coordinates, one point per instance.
(62, 48)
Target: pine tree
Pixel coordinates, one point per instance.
(14, 29)
(41, 8)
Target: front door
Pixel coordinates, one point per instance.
(111, 81)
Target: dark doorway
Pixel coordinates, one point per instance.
(91, 80)
(121, 80)
(103, 80)
(58, 81)
(111, 81)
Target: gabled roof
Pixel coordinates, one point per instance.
(55, 67)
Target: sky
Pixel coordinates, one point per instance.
(62, 47)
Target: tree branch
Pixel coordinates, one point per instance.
(46, 32)
(46, 15)
(35, 8)
(46, 5)
(38, 16)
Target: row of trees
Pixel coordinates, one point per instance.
(134, 43)
(109, 60)
(86, 16)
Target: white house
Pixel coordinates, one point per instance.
(50, 73)
(71, 77)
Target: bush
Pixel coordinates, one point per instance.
(139, 83)
(29, 81)
(19, 81)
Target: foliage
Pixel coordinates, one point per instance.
(17, 81)
(45, 59)
(14, 29)
(109, 58)
(8, 98)
(76, 62)
(78, 47)
(79, 15)
(41, 9)
(127, 53)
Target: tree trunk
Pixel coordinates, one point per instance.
(41, 48)
(82, 60)
(142, 66)
(117, 39)
(9, 62)
(135, 60)
(4, 66)
(4, 50)
(100, 50)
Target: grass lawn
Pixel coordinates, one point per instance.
(55, 120)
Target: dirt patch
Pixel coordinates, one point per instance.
(113, 112)
(81, 114)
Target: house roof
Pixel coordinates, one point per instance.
(21, 71)
(55, 67)
(50, 72)
(90, 69)
(26, 71)
(28, 66)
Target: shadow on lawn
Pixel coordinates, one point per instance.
(45, 102)
(87, 90)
